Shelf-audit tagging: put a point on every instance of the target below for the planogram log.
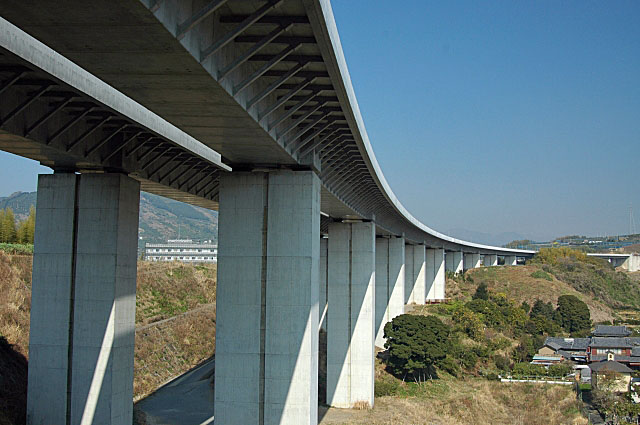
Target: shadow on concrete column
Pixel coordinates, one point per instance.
(390, 276)
(267, 299)
(350, 319)
(83, 300)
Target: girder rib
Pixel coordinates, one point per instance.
(190, 23)
(275, 85)
(252, 51)
(239, 29)
(282, 100)
(264, 68)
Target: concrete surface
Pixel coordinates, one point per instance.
(83, 311)
(267, 299)
(390, 276)
(350, 326)
(435, 275)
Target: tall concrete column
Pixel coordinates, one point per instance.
(458, 262)
(350, 319)
(476, 261)
(510, 260)
(323, 306)
(435, 276)
(390, 276)
(267, 298)
(415, 274)
(83, 300)
(490, 260)
(408, 272)
(448, 261)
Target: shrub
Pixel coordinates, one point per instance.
(539, 274)
(525, 369)
(386, 387)
(416, 344)
(482, 293)
(501, 362)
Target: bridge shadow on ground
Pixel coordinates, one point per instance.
(13, 384)
(186, 400)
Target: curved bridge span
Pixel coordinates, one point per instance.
(245, 106)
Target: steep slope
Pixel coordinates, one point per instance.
(175, 326)
(519, 285)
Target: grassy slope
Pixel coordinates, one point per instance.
(477, 400)
(516, 282)
(465, 401)
(184, 294)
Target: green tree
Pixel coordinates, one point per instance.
(482, 293)
(573, 314)
(416, 345)
(540, 308)
(26, 228)
(526, 307)
(8, 226)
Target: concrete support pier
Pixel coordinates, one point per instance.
(83, 300)
(267, 315)
(458, 260)
(435, 274)
(415, 274)
(350, 319)
(322, 295)
(472, 261)
(510, 260)
(490, 260)
(390, 276)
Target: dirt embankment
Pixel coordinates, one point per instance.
(175, 326)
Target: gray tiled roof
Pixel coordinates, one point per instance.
(568, 344)
(625, 359)
(610, 342)
(609, 365)
(606, 330)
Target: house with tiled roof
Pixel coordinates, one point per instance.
(611, 331)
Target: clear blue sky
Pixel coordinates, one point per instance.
(502, 116)
(495, 117)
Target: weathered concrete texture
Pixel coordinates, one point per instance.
(389, 283)
(350, 319)
(472, 261)
(490, 260)
(408, 272)
(458, 260)
(510, 260)
(435, 276)
(83, 300)
(322, 295)
(267, 314)
(415, 277)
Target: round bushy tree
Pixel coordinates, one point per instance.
(573, 314)
(416, 344)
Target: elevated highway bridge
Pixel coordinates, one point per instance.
(245, 106)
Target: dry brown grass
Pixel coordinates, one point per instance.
(470, 401)
(162, 351)
(15, 303)
(172, 348)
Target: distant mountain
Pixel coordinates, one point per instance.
(498, 239)
(19, 202)
(160, 218)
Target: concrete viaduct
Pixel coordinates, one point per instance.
(244, 106)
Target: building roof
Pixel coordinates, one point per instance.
(612, 366)
(606, 330)
(621, 359)
(568, 344)
(611, 342)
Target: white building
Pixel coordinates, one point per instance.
(184, 250)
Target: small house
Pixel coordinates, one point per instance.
(611, 373)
